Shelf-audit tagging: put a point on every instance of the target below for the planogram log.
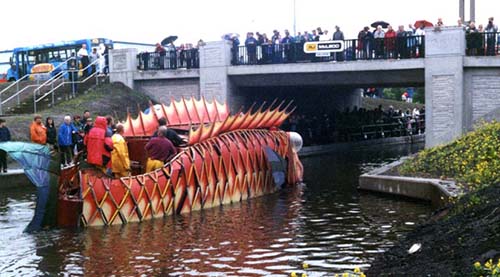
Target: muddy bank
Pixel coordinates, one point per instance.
(451, 242)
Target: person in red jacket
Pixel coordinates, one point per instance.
(99, 147)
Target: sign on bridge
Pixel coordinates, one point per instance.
(316, 47)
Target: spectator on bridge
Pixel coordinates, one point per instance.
(411, 42)
(460, 23)
(390, 42)
(338, 35)
(51, 132)
(367, 42)
(402, 50)
(251, 46)
(235, 50)
(314, 36)
(160, 55)
(440, 23)
(83, 55)
(491, 33)
(287, 43)
(379, 35)
(4, 136)
(38, 132)
(473, 39)
(419, 40)
(324, 36)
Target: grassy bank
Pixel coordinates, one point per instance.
(107, 99)
(463, 240)
(473, 160)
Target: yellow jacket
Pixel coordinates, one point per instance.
(119, 156)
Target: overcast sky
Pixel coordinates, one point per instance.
(37, 21)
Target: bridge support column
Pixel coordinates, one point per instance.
(215, 58)
(122, 65)
(444, 85)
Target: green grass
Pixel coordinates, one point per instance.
(106, 99)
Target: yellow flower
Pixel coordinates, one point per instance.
(362, 275)
(489, 264)
(356, 270)
(303, 275)
(293, 274)
(477, 264)
(345, 274)
(305, 265)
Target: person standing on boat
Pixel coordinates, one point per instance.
(4, 136)
(119, 156)
(38, 132)
(98, 148)
(159, 149)
(171, 134)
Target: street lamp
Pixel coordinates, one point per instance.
(294, 19)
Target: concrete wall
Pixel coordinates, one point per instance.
(122, 66)
(444, 85)
(162, 90)
(482, 94)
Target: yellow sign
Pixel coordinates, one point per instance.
(324, 46)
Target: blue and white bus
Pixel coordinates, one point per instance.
(24, 58)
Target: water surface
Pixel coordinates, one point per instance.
(327, 223)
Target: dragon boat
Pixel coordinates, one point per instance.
(227, 159)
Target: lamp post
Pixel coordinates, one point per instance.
(294, 19)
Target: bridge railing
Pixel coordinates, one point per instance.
(482, 43)
(407, 47)
(188, 58)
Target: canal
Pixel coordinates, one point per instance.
(326, 223)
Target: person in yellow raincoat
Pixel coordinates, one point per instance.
(119, 156)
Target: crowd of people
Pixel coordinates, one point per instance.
(482, 40)
(171, 57)
(382, 42)
(356, 124)
(99, 142)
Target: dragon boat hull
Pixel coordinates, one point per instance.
(227, 159)
(222, 170)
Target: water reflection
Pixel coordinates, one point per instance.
(328, 224)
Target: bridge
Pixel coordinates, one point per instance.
(459, 89)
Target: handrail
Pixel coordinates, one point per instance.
(51, 92)
(16, 83)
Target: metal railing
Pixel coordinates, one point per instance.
(188, 58)
(482, 43)
(18, 92)
(73, 80)
(405, 47)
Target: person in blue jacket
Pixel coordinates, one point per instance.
(65, 140)
(251, 46)
(4, 136)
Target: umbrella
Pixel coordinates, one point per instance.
(168, 40)
(381, 23)
(229, 36)
(424, 23)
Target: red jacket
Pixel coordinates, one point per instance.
(98, 146)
